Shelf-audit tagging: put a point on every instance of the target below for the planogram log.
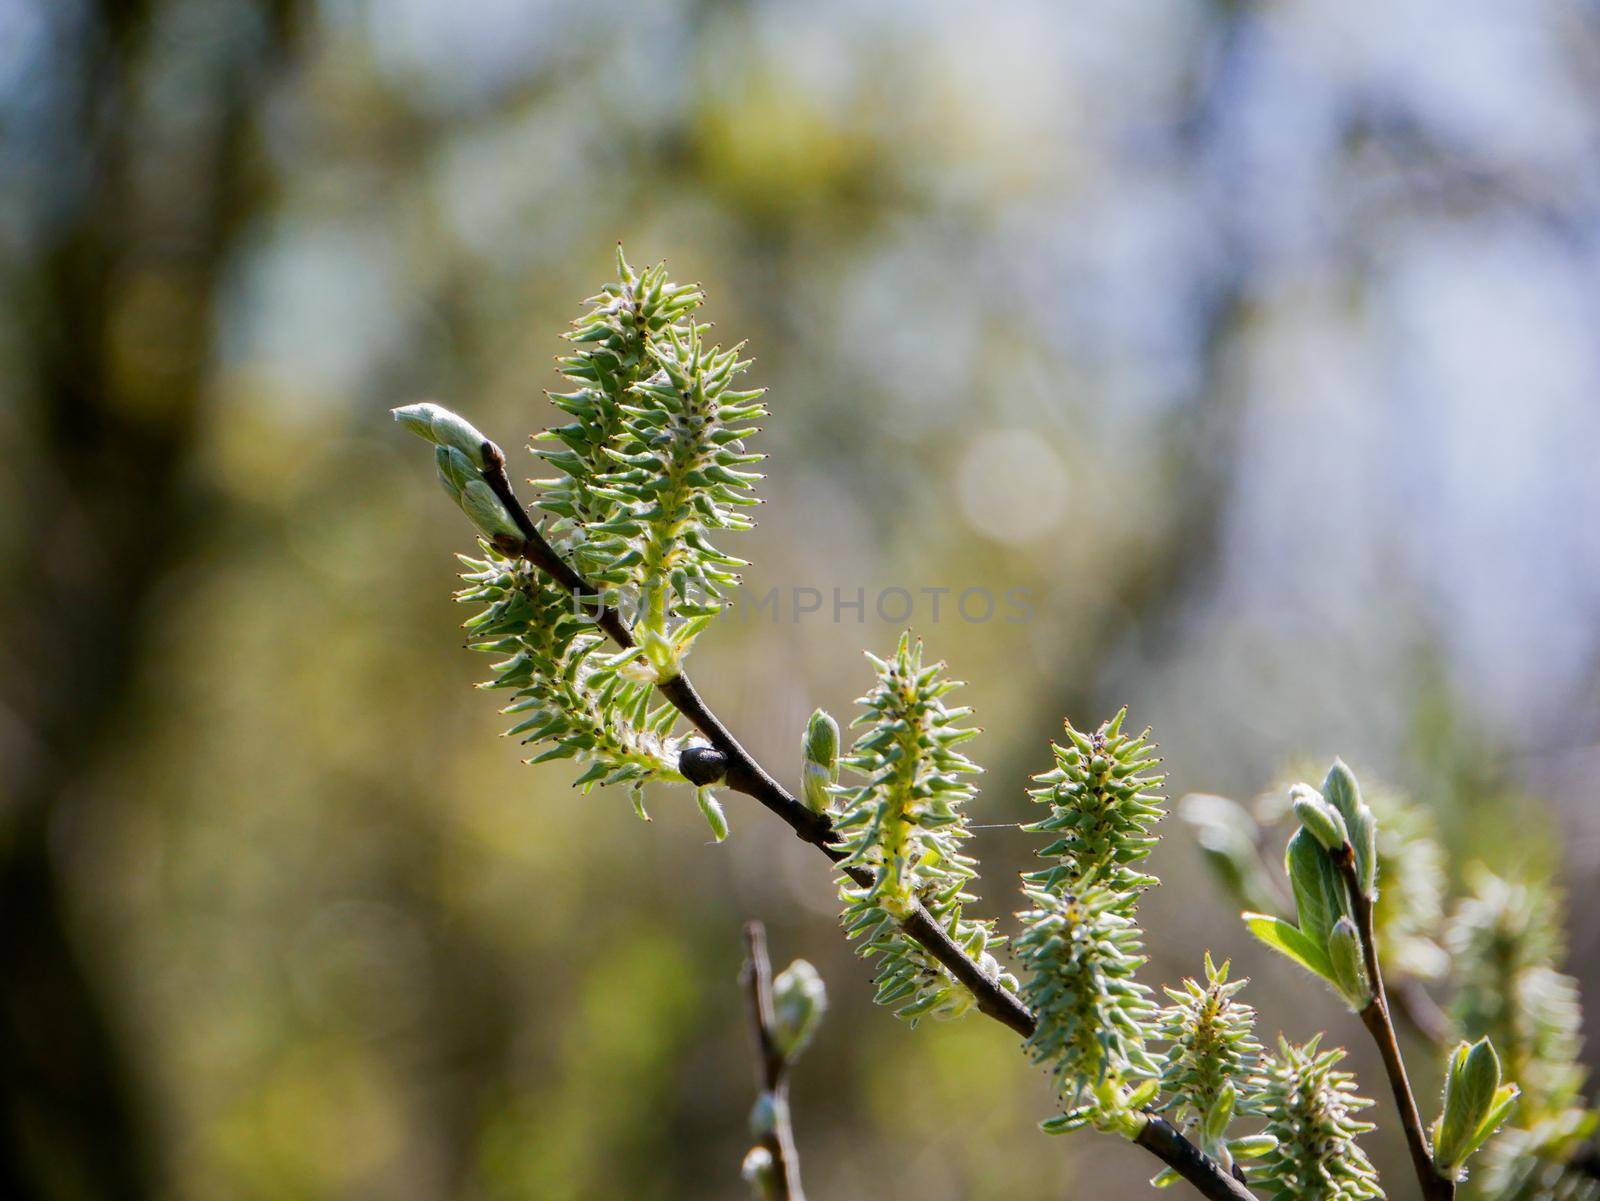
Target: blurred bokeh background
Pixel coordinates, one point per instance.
(1258, 343)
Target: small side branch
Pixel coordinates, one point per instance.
(772, 1076)
(1375, 1017)
(745, 775)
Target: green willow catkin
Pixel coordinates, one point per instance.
(905, 826)
(1309, 1108)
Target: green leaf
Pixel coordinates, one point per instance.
(1287, 940)
(1319, 893)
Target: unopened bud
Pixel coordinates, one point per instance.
(1319, 818)
(455, 470)
(819, 769)
(1344, 794)
(1349, 969)
(799, 999)
(484, 510)
(764, 1115)
(761, 1174)
(1471, 1082)
(443, 428)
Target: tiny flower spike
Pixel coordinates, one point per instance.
(567, 695)
(1308, 1107)
(905, 827)
(1505, 943)
(612, 353)
(1080, 952)
(1103, 801)
(1081, 943)
(1475, 1103)
(676, 479)
(819, 762)
(1409, 912)
(1211, 1056)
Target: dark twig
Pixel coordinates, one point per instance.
(1375, 1017)
(1161, 1138)
(773, 1070)
(744, 775)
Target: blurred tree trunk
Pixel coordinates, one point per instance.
(119, 300)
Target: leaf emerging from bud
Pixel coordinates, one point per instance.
(1475, 1103)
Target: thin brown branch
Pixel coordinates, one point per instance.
(1161, 1138)
(746, 776)
(1375, 1017)
(773, 1069)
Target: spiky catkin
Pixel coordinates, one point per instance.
(676, 479)
(568, 697)
(1309, 1107)
(1081, 943)
(905, 826)
(1409, 911)
(1211, 1048)
(1505, 941)
(1081, 952)
(611, 354)
(1102, 802)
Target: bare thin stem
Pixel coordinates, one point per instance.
(745, 775)
(1375, 1017)
(773, 1069)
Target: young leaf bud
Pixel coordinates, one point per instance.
(455, 470)
(764, 1115)
(819, 761)
(1349, 971)
(1472, 1080)
(484, 510)
(761, 1174)
(799, 999)
(1344, 794)
(443, 428)
(1321, 819)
